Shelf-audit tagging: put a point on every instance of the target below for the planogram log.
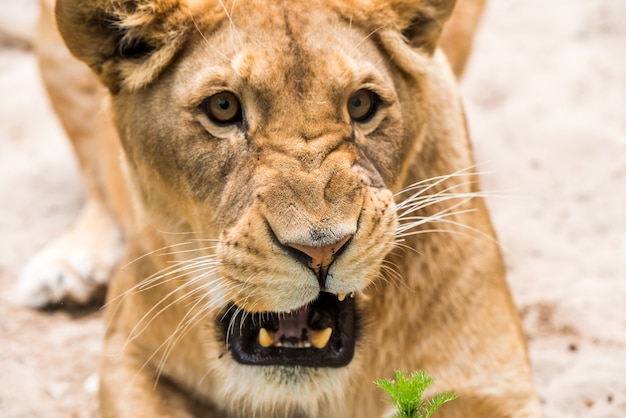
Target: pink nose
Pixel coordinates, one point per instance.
(321, 257)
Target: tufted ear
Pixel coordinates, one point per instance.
(127, 43)
(421, 21)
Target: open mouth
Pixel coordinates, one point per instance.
(320, 334)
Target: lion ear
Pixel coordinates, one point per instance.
(421, 21)
(126, 42)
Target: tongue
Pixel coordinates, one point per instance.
(292, 327)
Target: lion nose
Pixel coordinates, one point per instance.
(320, 258)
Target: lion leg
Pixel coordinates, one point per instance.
(130, 388)
(131, 392)
(513, 405)
(77, 265)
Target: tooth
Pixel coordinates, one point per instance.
(341, 297)
(319, 339)
(266, 339)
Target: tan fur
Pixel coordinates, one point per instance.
(212, 203)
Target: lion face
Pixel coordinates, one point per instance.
(289, 170)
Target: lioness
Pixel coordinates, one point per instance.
(306, 215)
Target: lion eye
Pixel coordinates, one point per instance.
(362, 105)
(222, 108)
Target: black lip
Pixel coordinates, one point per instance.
(241, 331)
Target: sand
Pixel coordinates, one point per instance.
(545, 93)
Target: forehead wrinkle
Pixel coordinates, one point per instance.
(242, 64)
(287, 39)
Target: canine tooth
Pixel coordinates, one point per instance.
(266, 339)
(319, 339)
(341, 297)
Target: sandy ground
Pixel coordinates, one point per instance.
(546, 98)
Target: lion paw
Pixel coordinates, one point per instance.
(77, 265)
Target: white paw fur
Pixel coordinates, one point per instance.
(77, 264)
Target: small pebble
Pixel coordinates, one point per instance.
(57, 390)
(92, 384)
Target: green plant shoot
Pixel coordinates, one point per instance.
(406, 394)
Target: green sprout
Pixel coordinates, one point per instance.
(406, 394)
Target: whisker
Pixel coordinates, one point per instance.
(205, 270)
(164, 343)
(229, 15)
(434, 181)
(435, 200)
(209, 307)
(138, 329)
(156, 279)
(155, 251)
(399, 244)
(413, 221)
(395, 277)
(369, 35)
(424, 194)
(206, 41)
(146, 284)
(196, 249)
(182, 329)
(441, 217)
(419, 197)
(469, 228)
(233, 319)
